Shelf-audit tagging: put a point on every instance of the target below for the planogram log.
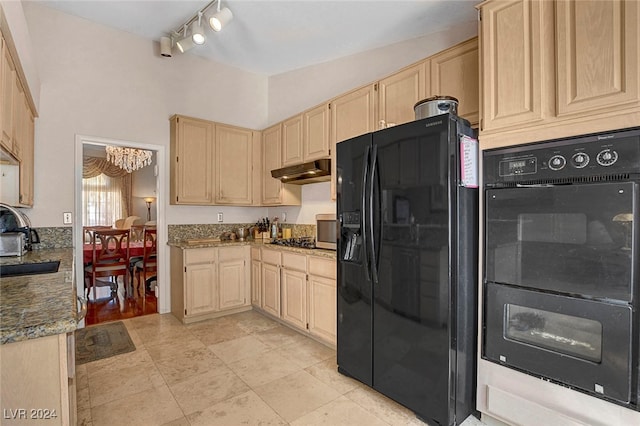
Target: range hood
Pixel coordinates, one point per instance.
(300, 174)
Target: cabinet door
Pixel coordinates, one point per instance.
(7, 87)
(271, 289)
(399, 93)
(315, 140)
(292, 141)
(352, 114)
(231, 282)
(234, 159)
(598, 54)
(191, 161)
(516, 71)
(454, 72)
(322, 308)
(294, 298)
(271, 159)
(27, 154)
(256, 271)
(200, 289)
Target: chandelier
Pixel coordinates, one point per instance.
(128, 159)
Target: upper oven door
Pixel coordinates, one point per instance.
(571, 239)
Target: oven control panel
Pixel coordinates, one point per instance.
(585, 156)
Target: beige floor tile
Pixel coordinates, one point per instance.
(207, 389)
(83, 417)
(155, 320)
(280, 336)
(218, 332)
(237, 349)
(263, 368)
(112, 384)
(83, 400)
(172, 333)
(296, 395)
(139, 358)
(182, 421)
(327, 372)
(243, 409)
(339, 412)
(381, 406)
(169, 350)
(153, 407)
(82, 378)
(253, 322)
(306, 353)
(188, 364)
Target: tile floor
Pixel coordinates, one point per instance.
(240, 369)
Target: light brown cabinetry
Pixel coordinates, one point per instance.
(38, 381)
(256, 277)
(556, 69)
(322, 299)
(208, 282)
(274, 192)
(398, 93)
(234, 165)
(8, 80)
(294, 289)
(292, 141)
(192, 154)
(454, 72)
(270, 285)
(315, 137)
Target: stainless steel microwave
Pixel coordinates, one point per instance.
(326, 231)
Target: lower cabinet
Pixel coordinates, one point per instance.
(209, 282)
(298, 289)
(38, 381)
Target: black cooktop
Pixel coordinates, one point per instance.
(302, 242)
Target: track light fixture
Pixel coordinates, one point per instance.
(191, 33)
(221, 18)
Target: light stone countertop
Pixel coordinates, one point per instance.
(204, 243)
(33, 306)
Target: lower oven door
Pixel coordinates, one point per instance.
(583, 343)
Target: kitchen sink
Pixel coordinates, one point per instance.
(29, 268)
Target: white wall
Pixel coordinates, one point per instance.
(111, 84)
(316, 199)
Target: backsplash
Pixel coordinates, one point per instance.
(62, 237)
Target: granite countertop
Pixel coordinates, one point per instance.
(204, 242)
(33, 306)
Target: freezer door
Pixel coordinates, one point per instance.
(354, 350)
(411, 312)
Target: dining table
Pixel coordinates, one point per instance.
(136, 248)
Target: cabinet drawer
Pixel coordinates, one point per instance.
(201, 255)
(293, 261)
(271, 256)
(255, 253)
(231, 253)
(322, 267)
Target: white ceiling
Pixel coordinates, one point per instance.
(274, 36)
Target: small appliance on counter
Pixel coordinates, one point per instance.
(12, 222)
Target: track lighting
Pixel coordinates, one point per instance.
(191, 33)
(197, 32)
(221, 18)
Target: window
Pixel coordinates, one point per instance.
(101, 200)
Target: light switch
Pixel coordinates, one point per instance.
(66, 218)
(219, 216)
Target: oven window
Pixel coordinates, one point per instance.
(569, 335)
(569, 239)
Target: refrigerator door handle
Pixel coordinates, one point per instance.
(365, 174)
(372, 244)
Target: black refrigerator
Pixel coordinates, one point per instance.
(407, 209)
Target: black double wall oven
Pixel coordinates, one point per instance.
(561, 268)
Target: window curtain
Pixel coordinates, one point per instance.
(106, 192)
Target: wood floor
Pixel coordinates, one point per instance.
(108, 307)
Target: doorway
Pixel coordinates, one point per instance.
(145, 207)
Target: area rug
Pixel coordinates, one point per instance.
(102, 341)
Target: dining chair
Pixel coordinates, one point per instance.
(147, 267)
(110, 260)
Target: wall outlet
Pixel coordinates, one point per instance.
(66, 218)
(284, 216)
(219, 216)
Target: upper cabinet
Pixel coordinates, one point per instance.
(275, 192)
(234, 160)
(454, 72)
(315, 136)
(558, 68)
(17, 123)
(292, 141)
(397, 95)
(192, 152)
